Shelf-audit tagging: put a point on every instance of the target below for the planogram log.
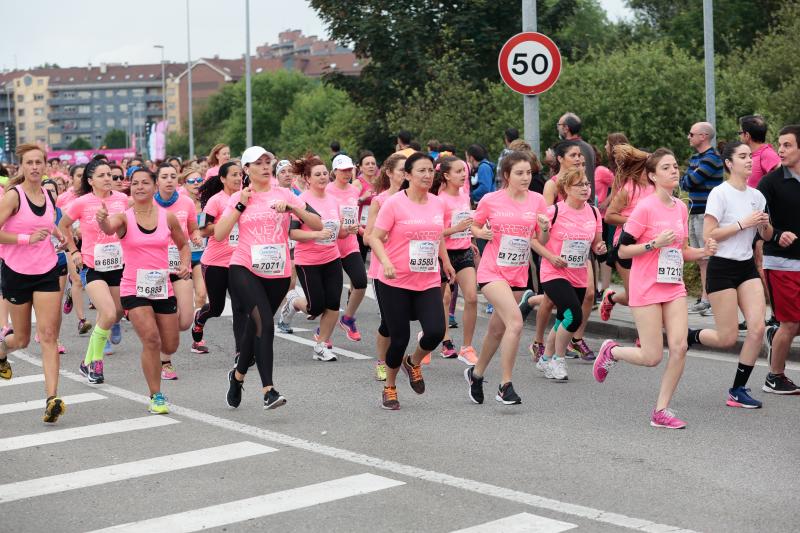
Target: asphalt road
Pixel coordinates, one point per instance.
(574, 456)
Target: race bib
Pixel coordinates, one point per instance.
(268, 259)
(348, 213)
(198, 247)
(152, 284)
(514, 251)
(670, 265)
(233, 237)
(364, 215)
(575, 253)
(333, 226)
(458, 218)
(174, 259)
(107, 257)
(422, 256)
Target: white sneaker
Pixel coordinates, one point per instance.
(542, 364)
(288, 311)
(557, 369)
(323, 353)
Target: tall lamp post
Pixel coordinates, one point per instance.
(163, 84)
(189, 82)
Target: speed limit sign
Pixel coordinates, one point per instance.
(529, 63)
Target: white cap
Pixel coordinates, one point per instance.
(341, 162)
(253, 153)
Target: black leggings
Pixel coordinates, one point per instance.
(216, 279)
(258, 298)
(568, 301)
(383, 329)
(354, 266)
(406, 304)
(322, 285)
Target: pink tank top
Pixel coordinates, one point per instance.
(31, 259)
(146, 272)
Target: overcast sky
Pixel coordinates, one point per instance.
(77, 32)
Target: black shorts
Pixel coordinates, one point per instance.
(112, 277)
(515, 289)
(725, 274)
(19, 288)
(174, 277)
(166, 306)
(195, 263)
(461, 259)
(62, 270)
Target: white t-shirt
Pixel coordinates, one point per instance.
(729, 205)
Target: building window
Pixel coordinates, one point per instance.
(38, 111)
(138, 121)
(68, 95)
(20, 98)
(40, 81)
(21, 126)
(172, 121)
(123, 108)
(123, 122)
(109, 108)
(40, 125)
(85, 94)
(20, 112)
(98, 108)
(84, 109)
(38, 97)
(97, 124)
(171, 105)
(70, 125)
(110, 123)
(122, 92)
(171, 91)
(85, 124)
(69, 109)
(109, 93)
(22, 139)
(137, 92)
(68, 138)
(96, 94)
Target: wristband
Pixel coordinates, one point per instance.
(23, 238)
(649, 245)
(73, 252)
(240, 207)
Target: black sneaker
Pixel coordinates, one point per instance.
(743, 325)
(507, 396)
(524, 306)
(273, 399)
(475, 385)
(772, 322)
(779, 384)
(769, 335)
(235, 387)
(414, 373)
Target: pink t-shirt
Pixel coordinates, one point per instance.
(414, 232)
(66, 197)
(264, 233)
(764, 160)
(657, 275)
(603, 180)
(634, 197)
(571, 238)
(348, 212)
(374, 265)
(218, 253)
(83, 209)
(212, 171)
(184, 210)
(319, 252)
(505, 257)
(456, 209)
(146, 263)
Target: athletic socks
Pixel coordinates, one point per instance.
(94, 352)
(693, 337)
(742, 375)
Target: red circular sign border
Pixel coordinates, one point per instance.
(502, 63)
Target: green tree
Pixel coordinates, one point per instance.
(178, 144)
(116, 139)
(79, 144)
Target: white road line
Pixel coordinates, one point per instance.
(259, 506)
(83, 432)
(431, 476)
(92, 477)
(521, 523)
(310, 342)
(22, 380)
(34, 405)
(733, 359)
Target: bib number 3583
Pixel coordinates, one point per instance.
(107, 257)
(422, 256)
(513, 251)
(268, 259)
(670, 265)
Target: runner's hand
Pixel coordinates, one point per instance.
(389, 271)
(101, 214)
(245, 196)
(787, 238)
(449, 272)
(754, 219)
(324, 234)
(184, 272)
(484, 233)
(665, 238)
(544, 222)
(464, 225)
(39, 235)
(557, 261)
(601, 248)
(710, 247)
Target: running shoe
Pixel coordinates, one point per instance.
(91, 305)
(606, 305)
(116, 334)
(571, 352)
(557, 369)
(426, 359)
(414, 373)
(380, 371)
(68, 301)
(199, 347)
(283, 327)
(348, 324)
(108, 349)
(742, 327)
(235, 387)
(542, 364)
(779, 384)
(5, 368)
(637, 342)
(451, 321)
(158, 404)
(582, 349)
(96, 372)
(329, 344)
(168, 372)
(772, 322)
(489, 309)
(665, 418)
(54, 408)
(323, 353)
(448, 350)
(6, 331)
(537, 350)
(740, 397)
(769, 336)
(507, 396)
(197, 328)
(84, 370)
(699, 307)
(61, 349)
(468, 356)
(475, 385)
(524, 306)
(389, 399)
(36, 339)
(273, 399)
(604, 361)
(84, 326)
(288, 311)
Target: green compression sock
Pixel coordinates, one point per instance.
(96, 344)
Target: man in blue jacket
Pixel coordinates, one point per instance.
(482, 181)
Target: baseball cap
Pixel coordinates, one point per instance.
(341, 162)
(283, 163)
(253, 153)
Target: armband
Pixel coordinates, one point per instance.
(240, 207)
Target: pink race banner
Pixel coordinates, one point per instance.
(77, 157)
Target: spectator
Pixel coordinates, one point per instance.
(753, 132)
(509, 136)
(414, 145)
(569, 128)
(704, 173)
(403, 145)
(482, 181)
(336, 149)
(434, 148)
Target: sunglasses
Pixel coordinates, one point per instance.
(194, 181)
(118, 178)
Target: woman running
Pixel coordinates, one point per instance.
(365, 180)
(390, 181)
(509, 219)
(219, 155)
(451, 173)
(101, 254)
(215, 194)
(575, 231)
(29, 271)
(604, 186)
(182, 207)
(656, 238)
(74, 293)
(406, 239)
(51, 187)
(353, 264)
(146, 232)
(260, 267)
(734, 214)
(192, 179)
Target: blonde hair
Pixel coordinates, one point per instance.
(23, 149)
(569, 177)
(631, 163)
(188, 172)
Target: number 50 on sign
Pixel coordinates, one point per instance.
(529, 63)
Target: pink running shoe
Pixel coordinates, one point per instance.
(62, 349)
(468, 356)
(666, 419)
(637, 343)
(604, 361)
(537, 351)
(168, 372)
(606, 305)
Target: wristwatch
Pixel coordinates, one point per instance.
(649, 246)
(240, 207)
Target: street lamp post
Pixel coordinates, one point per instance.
(189, 82)
(248, 94)
(163, 84)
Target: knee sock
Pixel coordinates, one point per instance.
(94, 352)
(742, 375)
(693, 336)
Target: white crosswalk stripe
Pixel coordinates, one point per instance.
(34, 405)
(260, 506)
(521, 523)
(22, 380)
